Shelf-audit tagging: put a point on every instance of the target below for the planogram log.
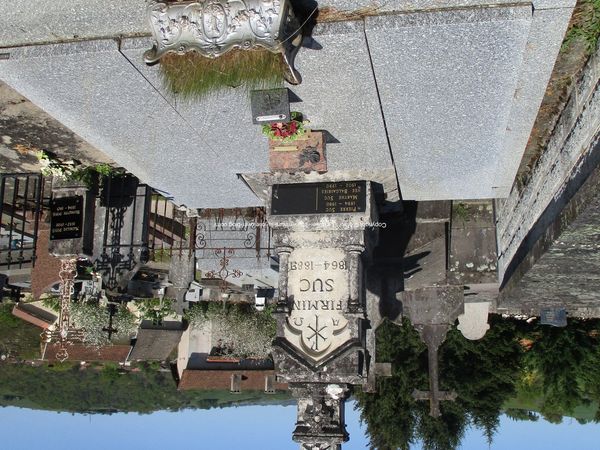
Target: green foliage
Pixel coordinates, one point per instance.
(162, 255)
(52, 302)
(18, 339)
(52, 166)
(461, 211)
(491, 366)
(390, 415)
(521, 414)
(92, 318)
(107, 389)
(155, 309)
(557, 369)
(445, 432)
(286, 131)
(517, 368)
(585, 27)
(192, 76)
(243, 331)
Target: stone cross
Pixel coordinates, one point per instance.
(112, 309)
(433, 335)
(432, 310)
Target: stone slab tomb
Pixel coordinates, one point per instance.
(323, 241)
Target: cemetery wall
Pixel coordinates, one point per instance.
(528, 221)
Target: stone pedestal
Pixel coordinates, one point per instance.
(321, 423)
(323, 238)
(321, 289)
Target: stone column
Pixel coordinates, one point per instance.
(354, 276)
(321, 420)
(284, 254)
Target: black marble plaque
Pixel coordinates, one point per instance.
(319, 198)
(66, 217)
(270, 106)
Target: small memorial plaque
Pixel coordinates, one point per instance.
(319, 198)
(554, 317)
(270, 106)
(67, 217)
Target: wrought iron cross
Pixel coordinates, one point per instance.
(65, 333)
(112, 309)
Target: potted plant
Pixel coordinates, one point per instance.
(286, 131)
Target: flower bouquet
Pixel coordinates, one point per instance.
(286, 131)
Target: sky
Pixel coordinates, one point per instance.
(246, 427)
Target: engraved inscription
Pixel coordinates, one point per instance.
(318, 292)
(66, 218)
(319, 198)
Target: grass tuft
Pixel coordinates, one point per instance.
(585, 26)
(193, 76)
(330, 14)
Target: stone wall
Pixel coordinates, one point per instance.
(530, 220)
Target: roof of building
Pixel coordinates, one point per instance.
(156, 343)
(34, 315)
(251, 380)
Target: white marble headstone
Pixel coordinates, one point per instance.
(473, 323)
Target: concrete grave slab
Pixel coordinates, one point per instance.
(447, 80)
(24, 22)
(91, 88)
(386, 6)
(339, 95)
(459, 90)
(473, 256)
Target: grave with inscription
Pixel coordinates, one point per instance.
(323, 238)
(319, 198)
(67, 217)
(318, 291)
(71, 220)
(71, 236)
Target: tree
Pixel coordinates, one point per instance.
(155, 309)
(93, 317)
(390, 414)
(483, 373)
